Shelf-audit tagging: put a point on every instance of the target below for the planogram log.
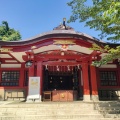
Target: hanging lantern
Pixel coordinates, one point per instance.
(28, 63)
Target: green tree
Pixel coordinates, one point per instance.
(101, 15)
(112, 53)
(8, 34)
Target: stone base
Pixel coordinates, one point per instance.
(34, 99)
(86, 98)
(95, 97)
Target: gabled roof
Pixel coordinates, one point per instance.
(52, 34)
(45, 42)
(61, 31)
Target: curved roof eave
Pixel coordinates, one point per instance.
(51, 34)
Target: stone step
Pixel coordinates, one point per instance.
(39, 109)
(111, 116)
(117, 106)
(57, 116)
(39, 118)
(58, 119)
(56, 111)
(53, 105)
(110, 112)
(109, 109)
(48, 113)
(54, 118)
(111, 104)
(50, 107)
(48, 110)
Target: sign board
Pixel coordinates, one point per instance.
(34, 88)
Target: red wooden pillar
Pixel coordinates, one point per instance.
(80, 84)
(31, 71)
(94, 87)
(0, 74)
(118, 71)
(40, 74)
(85, 78)
(1, 81)
(31, 74)
(21, 81)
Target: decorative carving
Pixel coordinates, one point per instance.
(6, 49)
(33, 47)
(63, 26)
(62, 95)
(64, 42)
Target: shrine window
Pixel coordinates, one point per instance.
(10, 78)
(108, 78)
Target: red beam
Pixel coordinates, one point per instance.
(61, 63)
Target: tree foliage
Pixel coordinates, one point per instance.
(8, 34)
(103, 15)
(112, 53)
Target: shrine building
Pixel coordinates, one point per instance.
(61, 60)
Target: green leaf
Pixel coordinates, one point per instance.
(8, 34)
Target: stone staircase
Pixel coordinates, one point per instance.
(56, 111)
(109, 109)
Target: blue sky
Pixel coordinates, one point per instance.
(32, 17)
